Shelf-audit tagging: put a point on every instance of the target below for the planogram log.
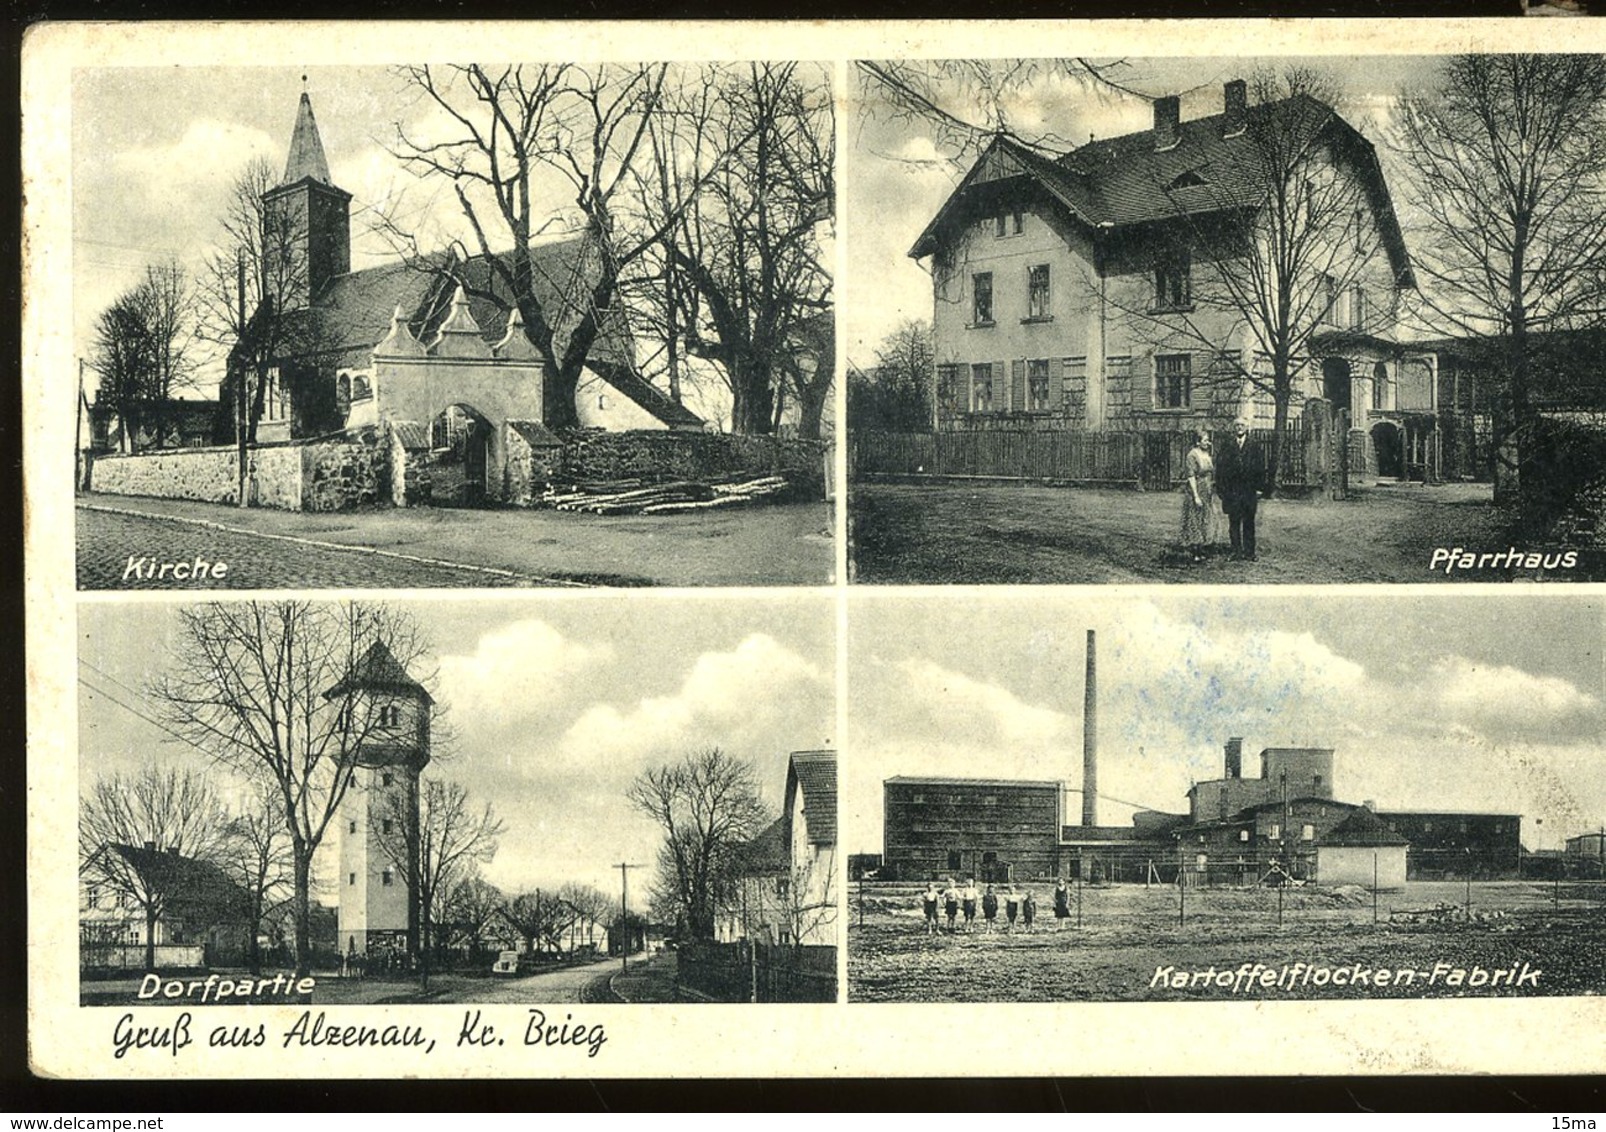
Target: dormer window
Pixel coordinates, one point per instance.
(1187, 179)
(1009, 223)
(389, 715)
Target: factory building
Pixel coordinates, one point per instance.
(1286, 823)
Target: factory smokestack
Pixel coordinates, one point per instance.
(1235, 758)
(1090, 737)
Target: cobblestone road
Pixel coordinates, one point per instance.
(107, 542)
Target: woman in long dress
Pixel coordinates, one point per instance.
(1198, 514)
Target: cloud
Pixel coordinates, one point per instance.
(195, 170)
(754, 700)
(515, 671)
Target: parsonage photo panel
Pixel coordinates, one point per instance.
(456, 325)
(1234, 320)
(1170, 799)
(335, 804)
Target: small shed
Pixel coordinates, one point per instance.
(1362, 850)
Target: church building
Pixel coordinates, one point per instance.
(428, 353)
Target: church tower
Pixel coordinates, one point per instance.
(391, 711)
(306, 220)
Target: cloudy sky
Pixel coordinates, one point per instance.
(1486, 703)
(555, 707)
(897, 174)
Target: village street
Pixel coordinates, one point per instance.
(788, 544)
(565, 984)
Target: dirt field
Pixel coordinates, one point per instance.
(998, 533)
(1129, 933)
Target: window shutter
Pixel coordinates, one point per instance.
(1017, 384)
(1142, 382)
(1001, 387)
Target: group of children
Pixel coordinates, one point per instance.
(954, 900)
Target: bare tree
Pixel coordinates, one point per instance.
(257, 857)
(1280, 240)
(541, 918)
(1509, 160)
(435, 848)
(591, 906)
(743, 268)
(471, 904)
(263, 686)
(132, 827)
(143, 351)
(895, 394)
(511, 130)
(708, 805)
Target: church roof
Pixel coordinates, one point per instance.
(306, 149)
(378, 670)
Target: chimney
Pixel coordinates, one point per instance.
(1235, 758)
(1167, 118)
(1235, 103)
(1090, 737)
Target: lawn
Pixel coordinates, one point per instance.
(1129, 932)
(980, 533)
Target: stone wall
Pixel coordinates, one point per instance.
(530, 469)
(664, 456)
(340, 474)
(210, 475)
(276, 478)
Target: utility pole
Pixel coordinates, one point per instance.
(241, 414)
(78, 433)
(1374, 886)
(624, 911)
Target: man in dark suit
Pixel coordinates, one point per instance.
(1240, 478)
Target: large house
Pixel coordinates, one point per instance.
(431, 347)
(145, 900)
(1104, 288)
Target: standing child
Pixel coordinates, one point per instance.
(989, 908)
(1062, 904)
(970, 905)
(1028, 910)
(950, 904)
(1011, 907)
(928, 904)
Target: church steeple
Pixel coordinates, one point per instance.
(306, 218)
(306, 149)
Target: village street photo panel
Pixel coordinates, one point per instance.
(453, 326)
(1169, 799)
(1227, 320)
(325, 805)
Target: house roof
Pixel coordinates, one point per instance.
(904, 780)
(536, 434)
(192, 889)
(379, 670)
(1124, 181)
(814, 773)
(1363, 827)
(766, 853)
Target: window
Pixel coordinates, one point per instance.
(1307, 832)
(389, 715)
(384, 779)
(1188, 179)
(981, 286)
(954, 859)
(947, 388)
(1037, 294)
(351, 879)
(1009, 223)
(1276, 832)
(1357, 307)
(989, 799)
(386, 825)
(387, 878)
(1173, 284)
(1317, 779)
(1380, 386)
(351, 826)
(1329, 300)
(1037, 385)
(1173, 381)
(1243, 835)
(981, 387)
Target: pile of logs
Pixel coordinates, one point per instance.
(632, 497)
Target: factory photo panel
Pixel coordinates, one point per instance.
(326, 339)
(1226, 320)
(1170, 799)
(360, 803)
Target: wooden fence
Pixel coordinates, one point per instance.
(1152, 461)
(760, 972)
